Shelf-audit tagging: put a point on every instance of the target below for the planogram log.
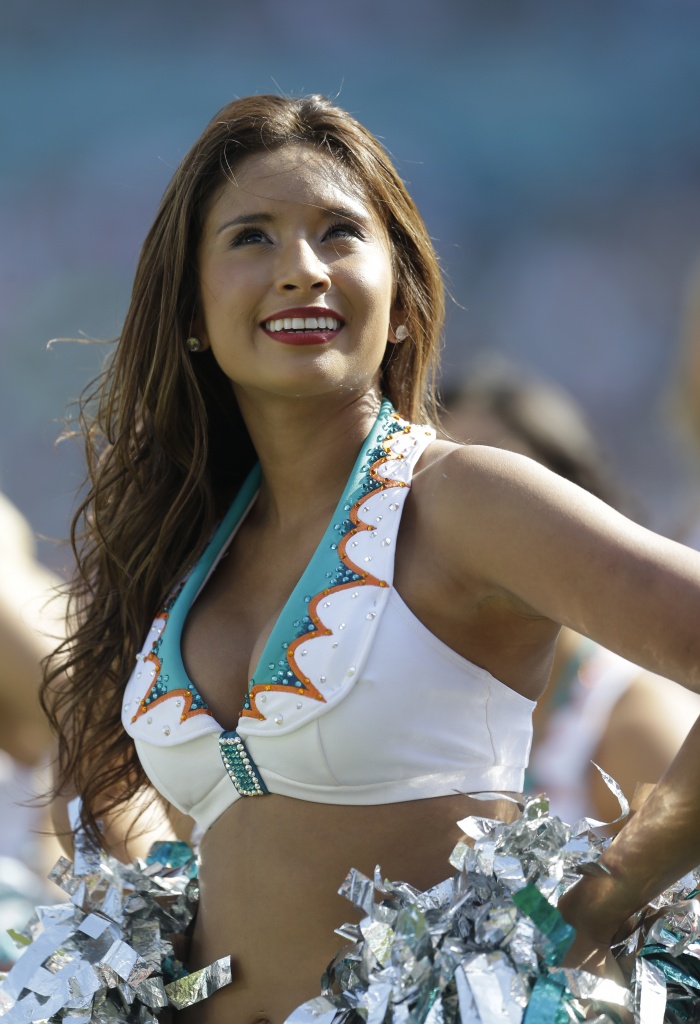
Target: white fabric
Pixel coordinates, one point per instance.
(422, 722)
(391, 713)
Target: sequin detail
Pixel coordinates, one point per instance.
(192, 702)
(239, 765)
(345, 575)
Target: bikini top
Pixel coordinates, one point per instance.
(353, 700)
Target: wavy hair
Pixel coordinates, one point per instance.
(159, 427)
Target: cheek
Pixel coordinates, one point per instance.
(222, 297)
(377, 286)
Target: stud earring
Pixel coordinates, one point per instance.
(194, 344)
(401, 332)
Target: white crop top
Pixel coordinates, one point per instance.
(353, 701)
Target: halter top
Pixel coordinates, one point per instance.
(353, 700)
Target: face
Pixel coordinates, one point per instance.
(295, 278)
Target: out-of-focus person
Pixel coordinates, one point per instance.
(31, 623)
(685, 397)
(597, 708)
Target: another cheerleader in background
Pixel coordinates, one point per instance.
(32, 616)
(684, 399)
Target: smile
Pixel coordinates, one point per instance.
(298, 323)
(302, 330)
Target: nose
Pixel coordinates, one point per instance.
(301, 269)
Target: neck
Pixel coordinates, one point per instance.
(306, 449)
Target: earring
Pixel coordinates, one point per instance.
(401, 332)
(194, 344)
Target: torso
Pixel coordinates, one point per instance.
(270, 872)
(228, 626)
(269, 865)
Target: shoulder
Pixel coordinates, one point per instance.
(467, 499)
(466, 467)
(502, 519)
(487, 488)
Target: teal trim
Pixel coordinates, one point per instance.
(199, 573)
(326, 569)
(168, 647)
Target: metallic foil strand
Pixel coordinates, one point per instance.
(200, 984)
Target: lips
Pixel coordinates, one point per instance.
(304, 325)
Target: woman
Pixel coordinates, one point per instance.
(286, 297)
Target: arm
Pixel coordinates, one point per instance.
(548, 549)
(644, 731)
(24, 731)
(553, 549)
(658, 845)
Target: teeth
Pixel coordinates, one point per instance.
(298, 323)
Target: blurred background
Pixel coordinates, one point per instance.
(554, 150)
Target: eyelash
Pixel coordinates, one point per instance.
(246, 235)
(349, 228)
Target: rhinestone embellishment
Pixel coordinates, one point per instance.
(239, 765)
(343, 565)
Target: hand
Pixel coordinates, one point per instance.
(591, 955)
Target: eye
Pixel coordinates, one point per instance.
(248, 236)
(344, 229)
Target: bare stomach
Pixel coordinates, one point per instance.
(270, 873)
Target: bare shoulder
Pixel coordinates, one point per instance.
(483, 474)
(551, 547)
(479, 496)
(490, 496)
(466, 498)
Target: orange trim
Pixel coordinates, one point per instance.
(367, 580)
(156, 661)
(186, 695)
(145, 705)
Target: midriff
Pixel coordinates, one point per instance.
(271, 868)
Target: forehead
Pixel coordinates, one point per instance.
(297, 174)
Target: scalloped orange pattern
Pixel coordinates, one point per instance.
(367, 580)
(145, 705)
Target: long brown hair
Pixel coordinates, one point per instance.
(160, 425)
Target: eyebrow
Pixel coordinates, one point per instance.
(246, 218)
(267, 218)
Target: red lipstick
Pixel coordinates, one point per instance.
(291, 327)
